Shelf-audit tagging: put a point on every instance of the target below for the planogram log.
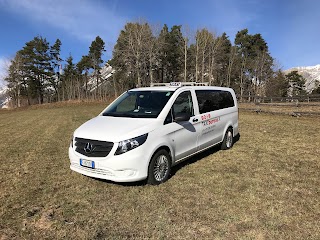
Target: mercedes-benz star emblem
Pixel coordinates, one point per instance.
(88, 148)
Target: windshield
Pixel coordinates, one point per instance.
(139, 104)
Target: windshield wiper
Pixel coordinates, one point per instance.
(116, 114)
(130, 115)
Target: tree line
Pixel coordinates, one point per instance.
(35, 74)
(145, 54)
(141, 57)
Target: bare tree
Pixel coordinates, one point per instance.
(230, 65)
(133, 49)
(188, 35)
(15, 79)
(204, 45)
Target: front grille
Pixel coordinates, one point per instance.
(98, 148)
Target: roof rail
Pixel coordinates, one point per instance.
(179, 84)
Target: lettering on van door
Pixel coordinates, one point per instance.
(205, 116)
(209, 125)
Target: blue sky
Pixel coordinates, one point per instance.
(291, 28)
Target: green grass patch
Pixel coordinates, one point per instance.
(265, 187)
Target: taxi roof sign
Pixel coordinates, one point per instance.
(179, 84)
(175, 84)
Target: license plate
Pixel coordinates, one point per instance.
(87, 163)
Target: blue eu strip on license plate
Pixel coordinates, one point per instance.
(87, 163)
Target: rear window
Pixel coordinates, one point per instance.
(212, 100)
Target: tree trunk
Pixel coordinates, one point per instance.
(97, 85)
(63, 90)
(243, 65)
(79, 88)
(138, 73)
(115, 87)
(231, 60)
(151, 76)
(19, 100)
(185, 59)
(203, 68)
(139, 78)
(197, 52)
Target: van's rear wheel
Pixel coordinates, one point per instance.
(227, 142)
(159, 167)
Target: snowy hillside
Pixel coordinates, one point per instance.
(106, 73)
(3, 97)
(311, 74)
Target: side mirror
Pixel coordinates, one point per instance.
(182, 117)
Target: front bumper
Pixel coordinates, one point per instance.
(128, 167)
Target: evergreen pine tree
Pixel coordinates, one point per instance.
(296, 83)
(95, 54)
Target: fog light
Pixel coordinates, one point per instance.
(126, 173)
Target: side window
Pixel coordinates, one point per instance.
(208, 100)
(226, 99)
(183, 104)
(168, 118)
(211, 100)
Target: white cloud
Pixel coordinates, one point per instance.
(233, 15)
(83, 19)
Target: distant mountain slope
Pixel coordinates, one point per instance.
(106, 73)
(311, 74)
(3, 97)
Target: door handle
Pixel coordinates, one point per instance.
(195, 120)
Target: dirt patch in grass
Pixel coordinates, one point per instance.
(265, 187)
(292, 109)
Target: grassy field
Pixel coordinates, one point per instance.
(266, 187)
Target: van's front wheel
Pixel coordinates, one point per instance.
(159, 167)
(227, 142)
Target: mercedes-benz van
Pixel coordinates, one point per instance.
(146, 131)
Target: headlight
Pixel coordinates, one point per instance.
(127, 145)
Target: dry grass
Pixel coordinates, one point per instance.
(265, 187)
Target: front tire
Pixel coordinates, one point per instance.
(227, 142)
(159, 167)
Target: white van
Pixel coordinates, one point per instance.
(146, 131)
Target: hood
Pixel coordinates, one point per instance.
(115, 129)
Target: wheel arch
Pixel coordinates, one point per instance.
(158, 148)
(164, 147)
(229, 125)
